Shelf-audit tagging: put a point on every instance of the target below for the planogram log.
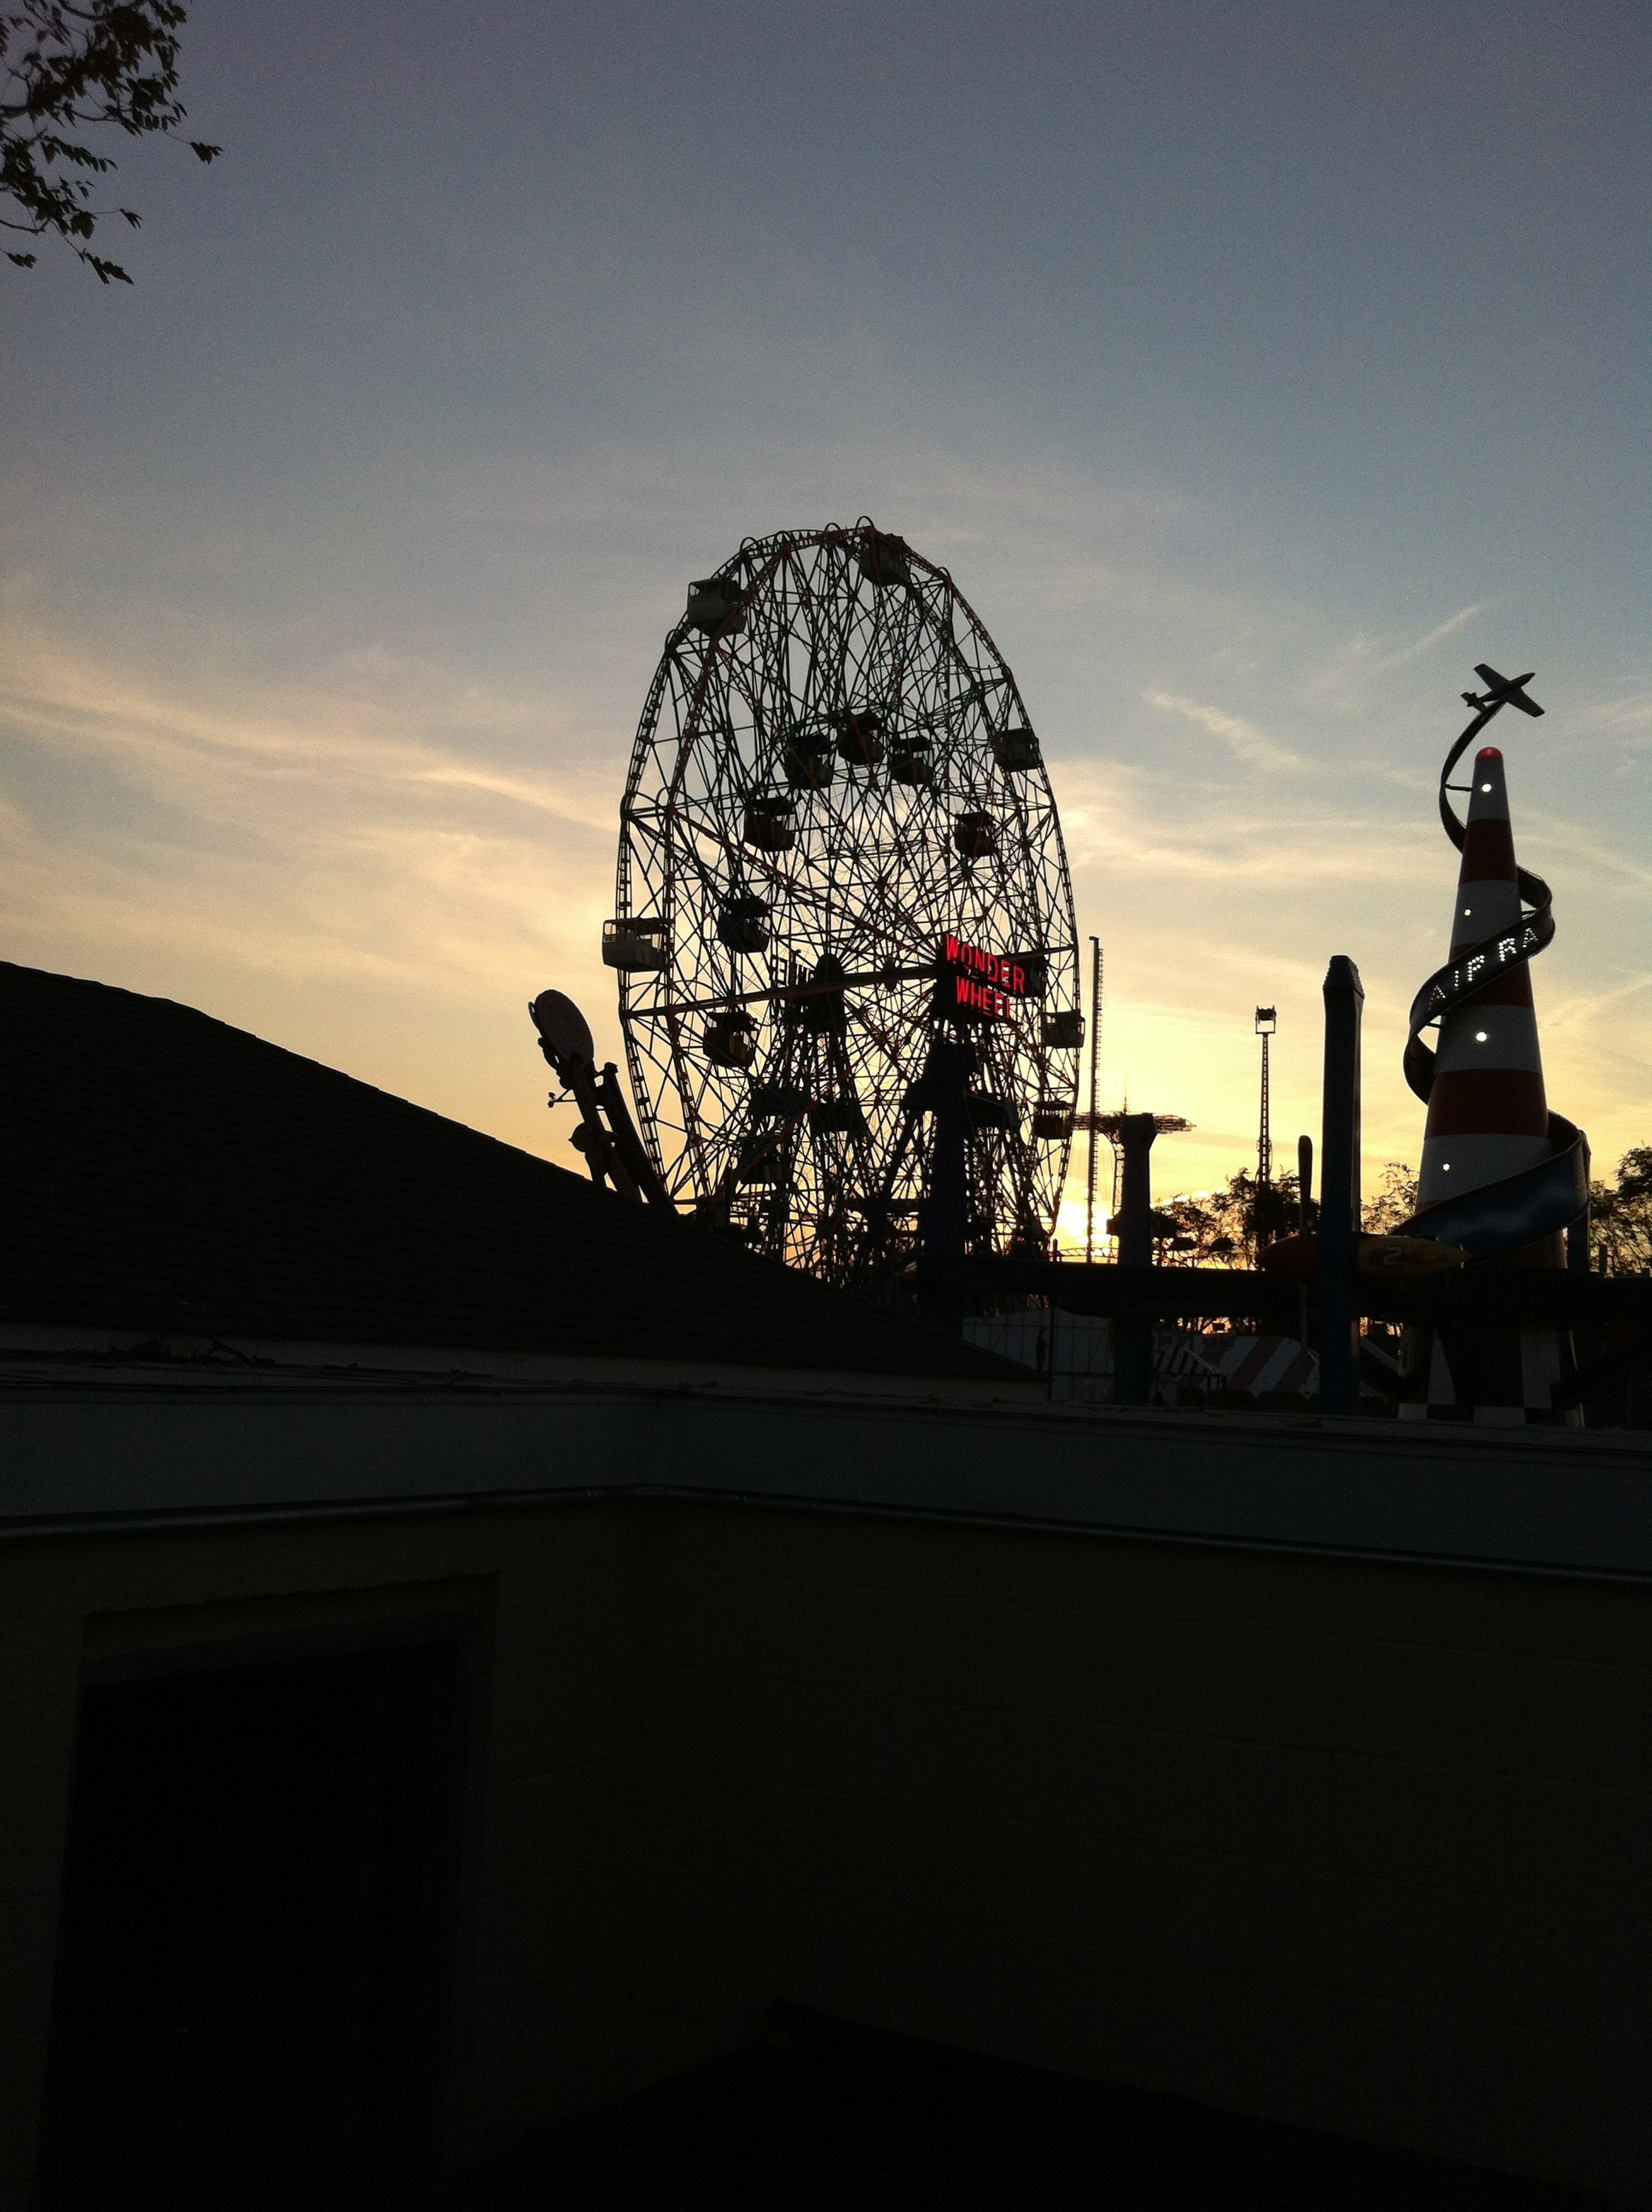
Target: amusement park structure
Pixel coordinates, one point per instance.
(846, 956)
(842, 897)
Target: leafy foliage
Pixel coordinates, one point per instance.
(1621, 1217)
(1395, 1201)
(1226, 1224)
(66, 65)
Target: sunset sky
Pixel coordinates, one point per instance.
(1256, 369)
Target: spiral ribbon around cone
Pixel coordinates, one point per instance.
(1501, 1217)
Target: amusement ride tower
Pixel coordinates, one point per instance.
(1502, 1177)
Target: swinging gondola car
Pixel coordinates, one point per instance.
(1051, 1121)
(778, 1101)
(910, 761)
(637, 944)
(715, 605)
(1065, 1029)
(731, 1038)
(743, 925)
(770, 825)
(808, 758)
(976, 835)
(759, 1161)
(843, 1115)
(860, 738)
(987, 1112)
(1015, 749)
(884, 559)
(820, 1006)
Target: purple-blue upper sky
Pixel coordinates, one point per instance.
(1256, 369)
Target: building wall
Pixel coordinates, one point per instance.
(1359, 1845)
(548, 1973)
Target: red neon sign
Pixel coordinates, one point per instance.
(982, 982)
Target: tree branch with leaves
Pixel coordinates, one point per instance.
(1620, 1240)
(1225, 1228)
(68, 67)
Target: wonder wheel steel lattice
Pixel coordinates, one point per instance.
(834, 774)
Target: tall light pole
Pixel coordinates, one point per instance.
(1267, 1021)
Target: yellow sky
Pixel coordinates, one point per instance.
(377, 858)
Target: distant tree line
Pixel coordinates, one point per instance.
(1224, 1228)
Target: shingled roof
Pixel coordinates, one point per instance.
(160, 1172)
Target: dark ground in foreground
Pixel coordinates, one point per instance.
(824, 2113)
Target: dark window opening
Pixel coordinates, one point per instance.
(256, 1935)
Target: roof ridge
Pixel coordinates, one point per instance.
(237, 1185)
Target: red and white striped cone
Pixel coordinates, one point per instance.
(1488, 1118)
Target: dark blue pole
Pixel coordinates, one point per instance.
(1133, 1334)
(1577, 1237)
(1344, 1005)
(1585, 1344)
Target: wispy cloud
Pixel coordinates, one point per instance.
(1590, 854)
(1583, 1008)
(1437, 635)
(377, 887)
(1245, 741)
(1623, 722)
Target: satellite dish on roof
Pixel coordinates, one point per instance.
(564, 1034)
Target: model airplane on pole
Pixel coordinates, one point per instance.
(1502, 690)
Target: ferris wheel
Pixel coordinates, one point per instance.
(836, 817)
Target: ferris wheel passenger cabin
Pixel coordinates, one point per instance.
(1035, 971)
(843, 1115)
(883, 559)
(988, 1111)
(770, 825)
(976, 835)
(910, 761)
(715, 605)
(731, 1039)
(809, 760)
(861, 741)
(743, 925)
(1016, 751)
(637, 944)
